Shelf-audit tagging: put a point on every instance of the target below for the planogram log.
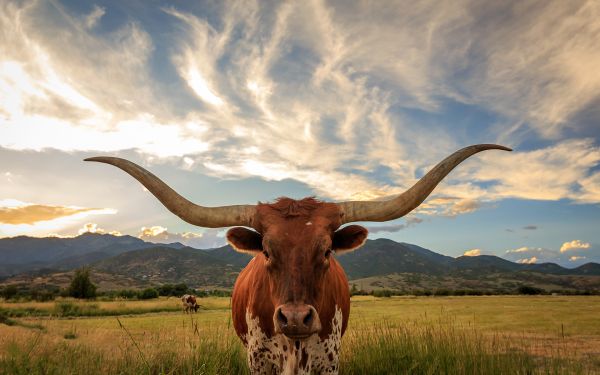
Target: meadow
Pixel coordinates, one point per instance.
(399, 335)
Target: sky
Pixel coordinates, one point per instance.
(240, 102)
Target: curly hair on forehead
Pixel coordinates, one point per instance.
(289, 207)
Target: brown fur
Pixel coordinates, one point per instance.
(295, 235)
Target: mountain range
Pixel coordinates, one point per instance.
(381, 263)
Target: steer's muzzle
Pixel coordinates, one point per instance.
(296, 321)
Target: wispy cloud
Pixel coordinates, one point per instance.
(530, 227)
(556, 172)
(324, 94)
(21, 218)
(410, 221)
(524, 249)
(94, 16)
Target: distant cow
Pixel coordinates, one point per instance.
(189, 303)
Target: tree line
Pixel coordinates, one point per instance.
(82, 287)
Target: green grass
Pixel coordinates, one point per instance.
(449, 335)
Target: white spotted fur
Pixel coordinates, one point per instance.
(267, 355)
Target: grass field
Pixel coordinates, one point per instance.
(424, 335)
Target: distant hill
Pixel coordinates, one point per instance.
(162, 264)
(588, 269)
(134, 262)
(484, 264)
(23, 254)
(230, 256)
(383, 256)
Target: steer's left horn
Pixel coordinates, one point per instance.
(409, 200)
(209, 217)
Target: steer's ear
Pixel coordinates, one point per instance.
(349, 238)
(245, 240)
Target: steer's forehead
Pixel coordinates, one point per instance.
(287, 217)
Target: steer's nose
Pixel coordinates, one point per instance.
(296, 321)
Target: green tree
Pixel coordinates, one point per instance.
(81, 285)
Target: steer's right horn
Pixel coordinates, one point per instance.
(208, 217)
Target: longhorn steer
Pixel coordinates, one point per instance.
(291, 303)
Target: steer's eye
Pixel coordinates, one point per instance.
(266, 254)
(327, 253)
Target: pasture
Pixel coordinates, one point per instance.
(412, 335)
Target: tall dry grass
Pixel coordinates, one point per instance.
(378, 348)
(385, 336)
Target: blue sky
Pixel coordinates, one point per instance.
(239, 102)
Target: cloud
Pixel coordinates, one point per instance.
(559, 171)
(94, 16)
(14, 212)
(209, 238)
(574, 245)
(462, 207)
(531, 260)
(8, 177)
(21, 218)
(472, 253)
(523, 250)
(565, 258)
(93, 228)
(543, 84)
(410, 221)
(525, 254)
(33, 213)
(59, 94)
(313, 92)
(530, 227)
(589, 188)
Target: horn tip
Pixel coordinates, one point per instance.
(101, 159)
(495, 147)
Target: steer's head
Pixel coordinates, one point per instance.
(295, 239)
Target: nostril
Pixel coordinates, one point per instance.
(308, 318)
(281, 318)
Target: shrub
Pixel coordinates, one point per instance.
(529, 290)
(42, 295)
(148, 293)
(165, 290)
(66, 308)
(127, 294)
(181, 289)
(9, 291)
(382, 293)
